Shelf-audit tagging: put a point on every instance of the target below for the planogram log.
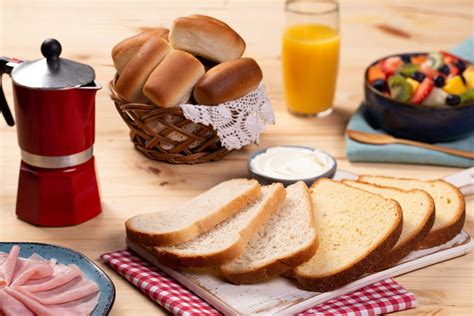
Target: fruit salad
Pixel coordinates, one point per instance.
(434, 79)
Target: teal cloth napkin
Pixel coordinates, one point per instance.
(395, 153)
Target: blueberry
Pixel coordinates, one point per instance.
(379, 84)
(444, 70)
(406, 59)
(460, 65)
(453, 99)
(439, 81)
(418, 76)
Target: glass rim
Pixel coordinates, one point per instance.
(335, 7)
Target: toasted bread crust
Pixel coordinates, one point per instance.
(178, 260)
(331, 282)
(443, 235)
(198, 227)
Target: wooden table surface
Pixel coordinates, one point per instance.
(131, 184)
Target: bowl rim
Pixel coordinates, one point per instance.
(331, 170)
(403, 103)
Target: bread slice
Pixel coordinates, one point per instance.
(171, 227)
(449, 206)
(285, 241)
(418, 218)
(356, 230)
(228, 239)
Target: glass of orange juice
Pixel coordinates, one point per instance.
(310, 56)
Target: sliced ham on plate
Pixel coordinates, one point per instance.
(35, 286)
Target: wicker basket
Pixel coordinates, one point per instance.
(166, 135)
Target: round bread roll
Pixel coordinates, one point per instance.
(124, 50)
(131, 81)
(172, 81)
(228, 81)
(206, 37)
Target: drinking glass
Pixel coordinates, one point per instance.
(310, 56)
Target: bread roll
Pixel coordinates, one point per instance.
(228, 81)
(172, 81)
(131, 81)
(206, 37)
(123, 51)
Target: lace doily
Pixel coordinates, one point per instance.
(237, 122)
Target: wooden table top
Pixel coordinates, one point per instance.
(131, 184)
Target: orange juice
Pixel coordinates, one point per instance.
(310, 58)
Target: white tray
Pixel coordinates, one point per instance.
(281, 296)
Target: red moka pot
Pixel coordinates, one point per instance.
(55, 118)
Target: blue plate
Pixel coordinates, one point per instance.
(67, 256)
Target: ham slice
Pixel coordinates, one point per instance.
(11, 306)
(8, 266)
(60, 278)
(36, 286)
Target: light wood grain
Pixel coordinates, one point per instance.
(131, 184)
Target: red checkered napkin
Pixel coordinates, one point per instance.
(379, 298)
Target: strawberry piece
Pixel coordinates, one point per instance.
(453, 70)
(451, 59)
(423, 91)
(418, 60)
(390, 65)
(375, 72)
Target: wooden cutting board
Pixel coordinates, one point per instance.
(281, 296)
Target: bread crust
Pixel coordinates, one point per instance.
(172, 81)
(348, 274)
(131, 81)
(445, 234)
(174, 259)
(206, 37)
(228, 81)
(274, 269)
(399, 252)
(331, 282)
(278, 266)
(125, 49)
(198, 227)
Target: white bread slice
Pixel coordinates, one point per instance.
(356, 230)
(285, 241)
(449, 206)
(418, 218)
(194, 217)
(228, 239)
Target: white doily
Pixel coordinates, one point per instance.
(238, 122)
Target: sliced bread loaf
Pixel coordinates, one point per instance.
(228, 239)
(356, 230)
(194, 217)
(418, 218)
(449, 206)
(285, 241)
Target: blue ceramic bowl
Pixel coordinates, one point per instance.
(263, 179)
(416, 121)
(67, 256)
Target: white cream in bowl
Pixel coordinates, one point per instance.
(292, 163)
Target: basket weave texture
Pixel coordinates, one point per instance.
(166, 135)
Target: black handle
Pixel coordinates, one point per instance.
(51, 49)
(5, 68)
